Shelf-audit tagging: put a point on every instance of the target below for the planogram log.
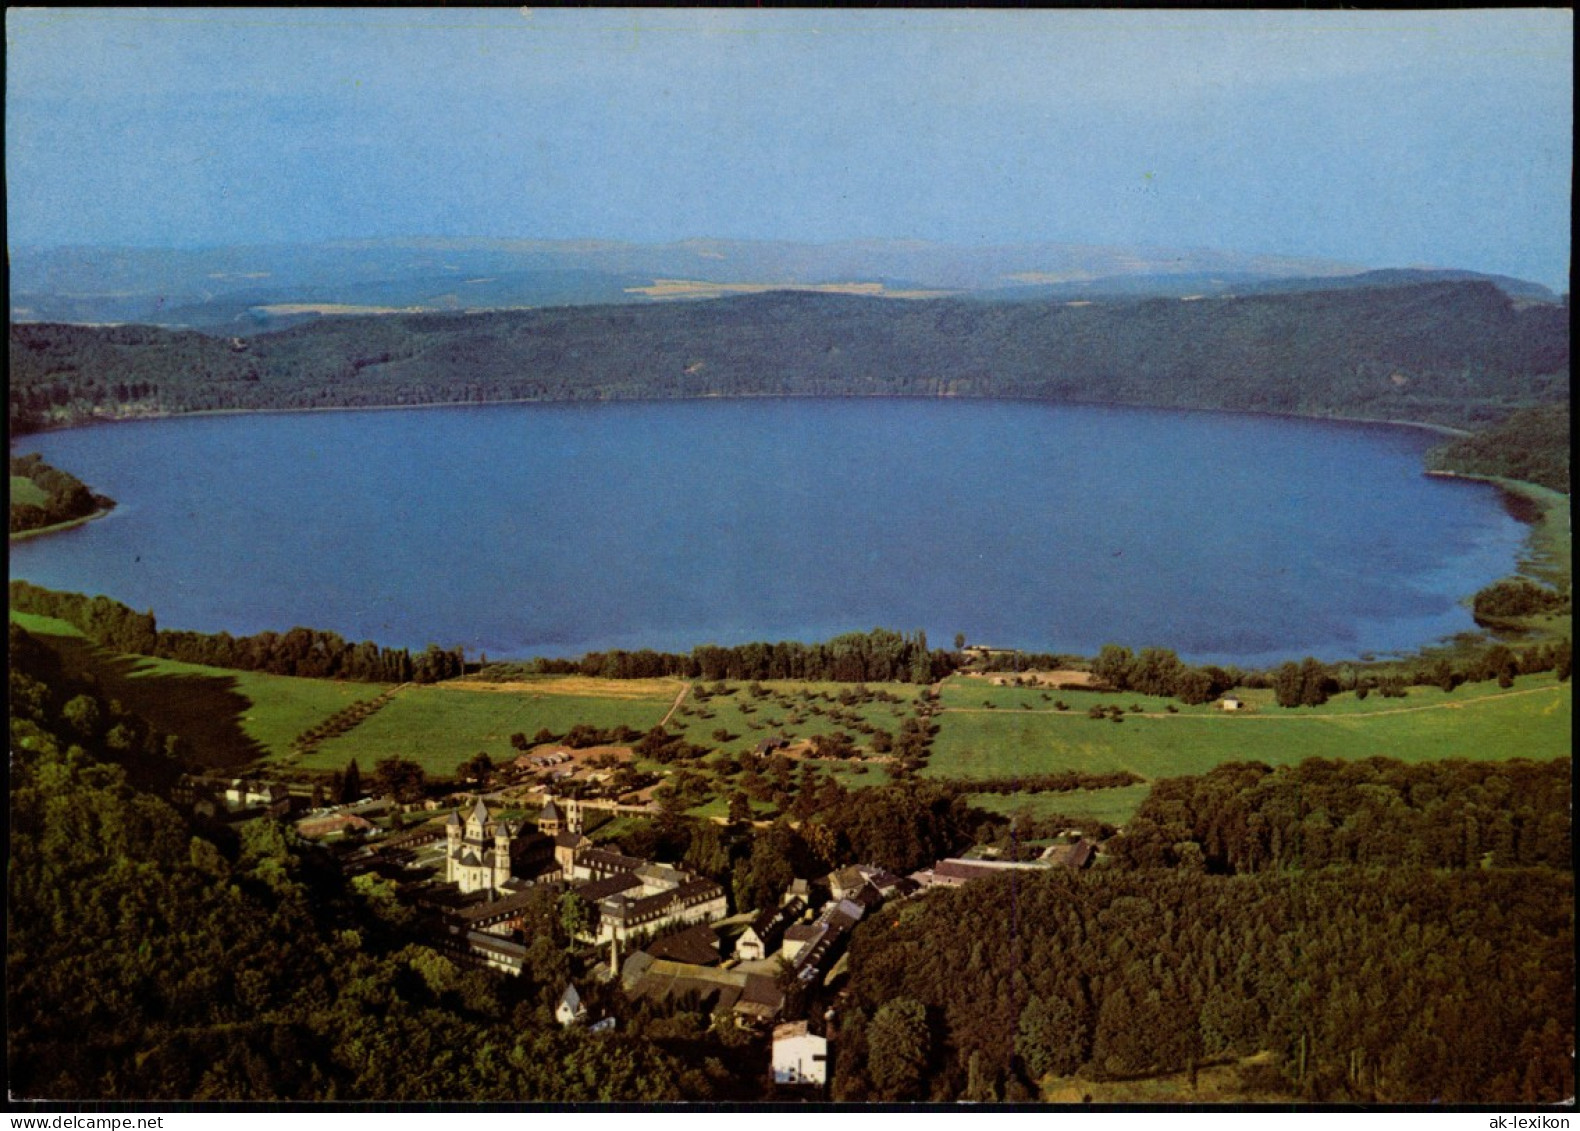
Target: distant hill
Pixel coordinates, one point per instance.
(230, 289)
(1456, 353)
(1202, 285)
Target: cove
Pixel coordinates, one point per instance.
(556, 529)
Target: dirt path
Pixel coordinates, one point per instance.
(675, 706)
(1284, 715)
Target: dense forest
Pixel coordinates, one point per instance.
(1389, 985)
(1533, 445)
(1391, 933)
(300, 651)
(58, 496)
(1245, 817)
(1457, 353)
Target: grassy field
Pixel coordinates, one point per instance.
(1113, 806)
(24, 490)
(228, 718)
(441, 726)
(1477, 721)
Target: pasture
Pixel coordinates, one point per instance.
(228, 718)
(1023, 734)
(440, 726)
(1111, 806)
(24, 490)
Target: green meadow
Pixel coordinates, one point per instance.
(24, 490)
(229, 718)
(1023, 734)
(1112, 806)
(440, 726)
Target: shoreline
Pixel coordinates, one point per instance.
(1446, 430)
(60, 527)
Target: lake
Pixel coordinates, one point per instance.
(522, 530)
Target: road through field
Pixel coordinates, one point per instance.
(1286, 714)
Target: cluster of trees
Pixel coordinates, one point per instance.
(1454, 352)
(1532, 445)
(1516, 597)
(1158, 671)
(64, 496)
(1246, 817)
(1367, 986)
(148, 961)
(301, 651)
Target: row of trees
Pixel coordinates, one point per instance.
(65, 496)
(309, 652)
(881, 656)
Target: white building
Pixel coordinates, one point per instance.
(799, 1057)
(571, 1009)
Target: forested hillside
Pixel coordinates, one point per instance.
(1533, 445)
(1459, 353)
(1370, 931)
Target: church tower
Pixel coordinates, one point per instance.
(503, 834)
(452, 839)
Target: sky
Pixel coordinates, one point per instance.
(1381, 139)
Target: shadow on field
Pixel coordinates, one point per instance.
(205, 711)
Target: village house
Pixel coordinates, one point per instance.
(765, 933)
(952, 873)
(799, 1057)
(751, 999)
(695, 946)
(571, 1010)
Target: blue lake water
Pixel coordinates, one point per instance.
(558, 529)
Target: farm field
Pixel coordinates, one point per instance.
(1478, 721)
(441, 726)
(1111, 806)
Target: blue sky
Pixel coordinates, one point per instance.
(1383, 139)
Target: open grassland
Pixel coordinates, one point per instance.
(24, 490)
(44, 626)
(1478, 721)
(1112, 806)
(227, 718)
(441, 726)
